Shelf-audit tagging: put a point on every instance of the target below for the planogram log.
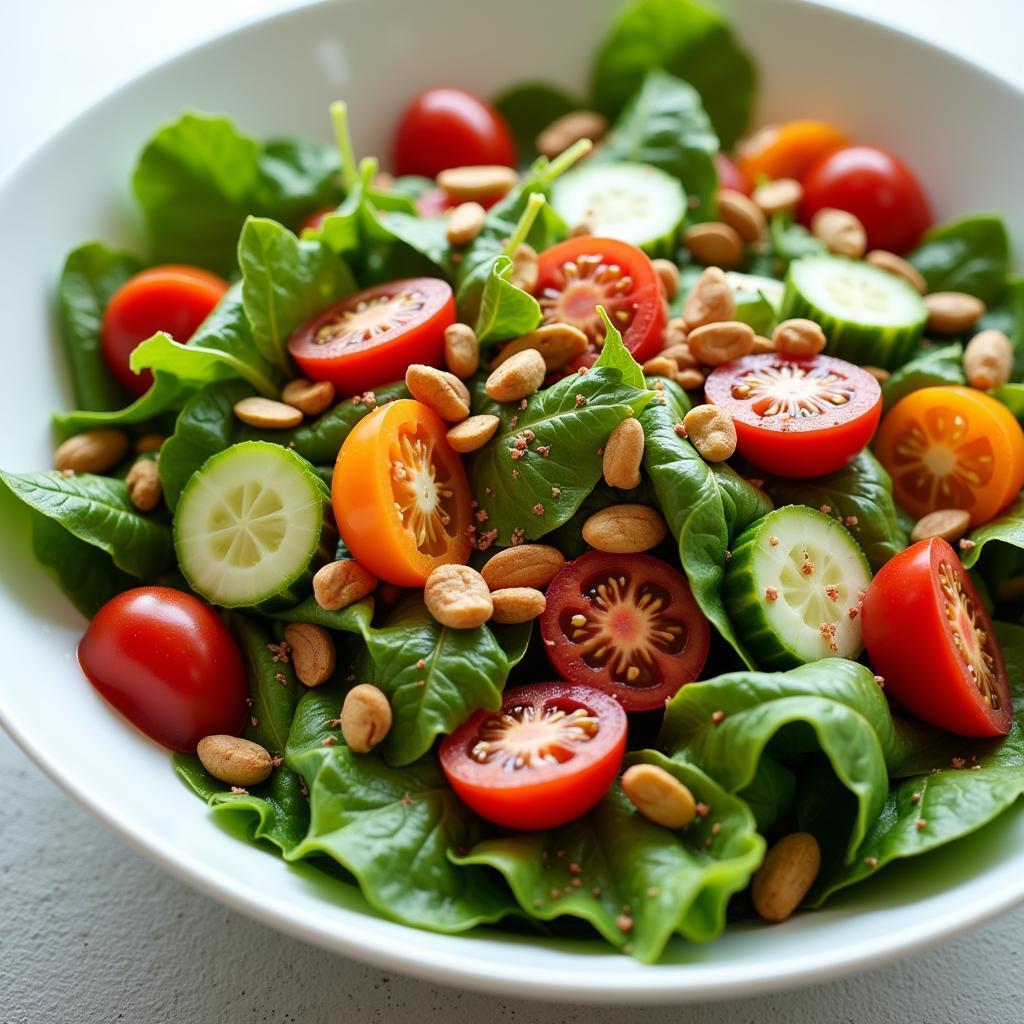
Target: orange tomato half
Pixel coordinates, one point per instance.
(952, 447)
(400, 494)
(786, 150)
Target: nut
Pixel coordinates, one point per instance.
(659, 796)
(461, 351)
(893, 264)
(714, 243)
(952, 312)
(742, 214)
(457, 596)
(948, 523)
(472, 433)
(149, 443)
(710, 301)
(465, 222)
(798, 337)
(525, 267)
(144, 487)
(625, 529)
(233, 760)
(558, 343)
(668, 274)
(988, 360)
(762, 345)
(569, 129)
(586, 226)
(525, 565)
(780, 196)
(518, 377)
(712, 432)
(623, 453)
(365, 718)
(788, 872)
(681, 355)
(339, 584)
(660, 366)
(675, 332)
(690, 380)
(94, 451)
(476, 183)
(441, 391)
(517, 604)
(267, 414)
(878, 372)
(308, 397)
(718, 343)
(842, 233)
(313, 655)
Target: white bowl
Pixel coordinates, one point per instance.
(947, 118)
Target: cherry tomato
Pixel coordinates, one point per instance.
(545, 759)
(445, 128)
(929, 636)
(952, 447)
(315, 221)
(578, 275)
(627, 624)
(729, 175)
(172, 298)
(400, 493)
(168, 663)
(786, 150)
(371, 337)
(879, 189)
(435, 202)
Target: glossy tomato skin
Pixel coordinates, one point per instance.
(417, 310)
(447, 127)
(729, 175)
(539, 795)
(174, 298)
(797, 446)
(909, 635)
(874, 185)
(168, 663)
(786, 150)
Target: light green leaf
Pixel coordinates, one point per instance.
(506, 311)
(969, 254)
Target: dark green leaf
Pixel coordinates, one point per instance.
(353, 619)
(932, 367)
(296, 177)
(1007, 528)
(970, 254)
(529, 109)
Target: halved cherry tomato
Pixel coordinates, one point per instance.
(786, 150)
(400, 494)
(580, 274)
(729, 175)
(952, 447)
(172, 298)
(168, 663)
(627, 624)
(797, 417)
(929, 636)
(880, 190)
(445, 128)
(371, 337)
(545, 759)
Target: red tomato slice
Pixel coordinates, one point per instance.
(580, 274)
(627, 624)
(545, 759)
(929, 636)
(168, 663)
(797, 417)
(371, 337)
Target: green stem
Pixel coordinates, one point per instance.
(565, 160)
(533, 204)
(349, 171)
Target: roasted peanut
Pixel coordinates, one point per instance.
(472, 433)
(568, 129)
(525, 267)
(762, 345)
(798, 337)
(675, 332)
(93, 451)
(899, 267)
(988, 360)
(625, 529)
(525, 565)
(365, 718)
(440, 390)
(788, 872)
(659, 796)
(309, 398)
(952, 312)
(518, 377)
(690, 379)
(948, 523)
(668, 275)
(878, 372)
(710, 301)
(623, 453)
(558, 343)
(517, 604)
(718, 343)
(339, 584)
(586, 226)
(478, 182)
(660, 366)
(714, 243)
(780, 196)
(458, 597)
(681, 355)
(712, 432)
(742, 214)
(149, 443)
(465, 222)
(461, 351)
(313, 656)
(144, 487)
(235, 761)
(842, 233)
(267, 414)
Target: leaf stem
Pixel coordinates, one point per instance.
(533, 204)
(349, 170)
(565, 160)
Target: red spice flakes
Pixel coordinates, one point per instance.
(771, 593)
(517, 536)
(521, 442)
(559, 854)
(421, 682)
(574, 868)
(774, 541)
(581, 400)
(966, 544)
(486, 539)
(680, 429)
(556, 492)
(717, 717)
(576, 883)
(702, 810)
(596, 891)
(958, 762)
(279, 677)
(253, 721)
(624, 923)
(583, 371)
(481, 515)
(921, 824)
(515, 474)
(756, 481)
(881, 681)
(522, 404)
(538, 509)
(367, 398)
(489, 491)
(555, 894)
(329, 741)
(512, 423)
(825, 510)
(277, 761)
(851, 520)
(280, 653)
(871, 862)
(728, 556)
(808, 567)
(537, 904)
(716, 828)
(517, 453)
(915, 798)
(407, 799)
(828, 634)
(543, 450)
(334, 723)
(239, 791)
(421, 664)
(852, 613)
(303, 787)
(832, 592)
(528, 436)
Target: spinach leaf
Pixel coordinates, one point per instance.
(859, 496)
(1007, 315)
(704, 505)
(353, 619)
(165, 392)
(394, 829)
(91, 275)
(614, 858)
(933, 367)
(770, 795)
(688, 40)
(970, 254)
(296, 176)
(1007, 528)
(506, 311)
(529, 109)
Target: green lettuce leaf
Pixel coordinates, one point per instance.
(933, 367)
(506, 311)
(969, 254)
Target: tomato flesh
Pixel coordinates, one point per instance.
(370, 338)
(172, 298)
(797, 417)
(626, 624)
(928, 634)
(545, 759)
(168, 663)
(786, 150)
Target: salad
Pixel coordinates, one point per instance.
(609, 513)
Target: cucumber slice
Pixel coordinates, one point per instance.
(631, 202)
(794, 586)
(870, 317)
(758, 300)
(249, 525)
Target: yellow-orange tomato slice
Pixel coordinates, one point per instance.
(400, 494)
(952, 447)
(786, 150)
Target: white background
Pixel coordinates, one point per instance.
(90, 931)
